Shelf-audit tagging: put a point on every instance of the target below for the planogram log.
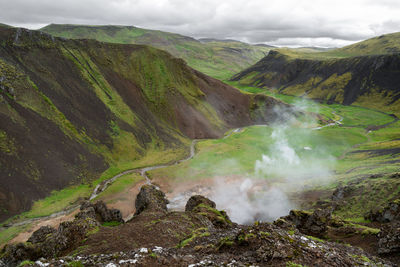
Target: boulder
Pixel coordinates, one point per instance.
(150, 199)
(100, 211)
(88, 212)
(196, 200)
(41, 234)
(205, 207)
(310, 223)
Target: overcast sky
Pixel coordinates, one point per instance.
(277, 22)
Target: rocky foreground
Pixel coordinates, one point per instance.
(199, 236)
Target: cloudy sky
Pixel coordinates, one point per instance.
(277, 22)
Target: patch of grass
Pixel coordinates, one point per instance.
(121, 184)
(9, 233)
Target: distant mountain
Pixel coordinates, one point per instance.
(265, 45)
(210, 40)
(70, 109)
(5, 25)
(217, 58)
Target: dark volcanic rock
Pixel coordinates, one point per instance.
(150, 198)
(389, 239)
(100, 210)
(315, 224)
(389, 213)
(48, 242)
(13, 254)
(88, 212)
(41, 234)
(196, 200)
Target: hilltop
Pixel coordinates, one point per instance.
(217, 58)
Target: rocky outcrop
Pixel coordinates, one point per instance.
(205, 207)
(389, 213)
(258, 245)
(150, 199)
(389, 239)
(40, 235)
(100, 210)
(200, 236)
(50, 242)
(196, 200)
(310, 223)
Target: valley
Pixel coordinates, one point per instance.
(303, 148)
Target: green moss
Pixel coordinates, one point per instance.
(224, 242)
(264, 235)
(26, 263)
(7, 144)
(93, 231)
(293, 264)
(197, 233)
(75, 264)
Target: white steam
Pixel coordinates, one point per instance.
(246, 203)
(289, 165)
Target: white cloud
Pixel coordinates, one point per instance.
(310, 22)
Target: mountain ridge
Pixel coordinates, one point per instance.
(219, 59)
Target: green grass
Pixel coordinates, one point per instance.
(11, 232)
(237, 154)
(121, 184)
